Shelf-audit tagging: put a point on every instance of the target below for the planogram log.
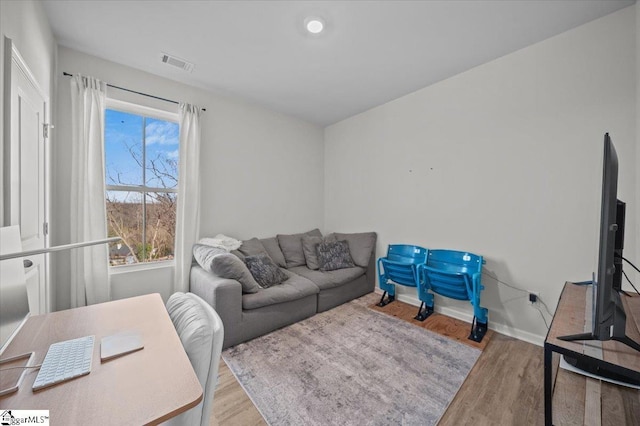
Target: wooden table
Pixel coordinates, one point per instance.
(145, 387)
(569, 319)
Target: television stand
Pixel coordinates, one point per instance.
(589, 336)
(619, 323)
(612, 356)
(578, 365)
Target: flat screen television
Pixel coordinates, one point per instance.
(609, 318)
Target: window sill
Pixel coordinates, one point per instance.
(145, 266)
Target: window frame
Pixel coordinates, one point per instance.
(143, 189)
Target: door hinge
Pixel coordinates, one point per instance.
(45, 228)
(45, 130)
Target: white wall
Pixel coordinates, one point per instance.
(26, 24)
(262, 172)
(503, 160)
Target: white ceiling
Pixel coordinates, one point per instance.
(371, 52)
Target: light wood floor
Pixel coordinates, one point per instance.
(441, 324)
(231, 405)
(505, 387)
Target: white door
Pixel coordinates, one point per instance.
(26, 186)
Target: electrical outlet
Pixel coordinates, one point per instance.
(534, 297)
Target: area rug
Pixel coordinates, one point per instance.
(351, 366)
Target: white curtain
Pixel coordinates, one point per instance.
(89, 265)
(188, 210)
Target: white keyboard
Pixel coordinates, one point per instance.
(65, 361)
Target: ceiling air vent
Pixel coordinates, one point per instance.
(177, 62)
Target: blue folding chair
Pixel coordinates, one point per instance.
(400, 267)
(454, 274)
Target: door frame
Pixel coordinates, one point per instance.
(13, 57)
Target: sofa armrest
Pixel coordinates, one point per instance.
(223, 294)
(371, 267)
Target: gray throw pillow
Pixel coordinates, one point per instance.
(361, 246)
(264, 271)
(291, 246)
(252, 247)
(204, 254)
(229, 266)
(273, 250)
(334, 255)
(309, 245)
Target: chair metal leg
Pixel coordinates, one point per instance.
(423, 314)
(383, 302)
(478, 330)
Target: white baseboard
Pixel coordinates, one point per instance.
(468, 317)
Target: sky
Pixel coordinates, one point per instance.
(124, 136)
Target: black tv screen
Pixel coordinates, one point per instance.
(609, 318)
(605, 303)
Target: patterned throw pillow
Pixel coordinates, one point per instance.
(334, 255)
(264, 271)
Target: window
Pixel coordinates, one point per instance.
(141, 167)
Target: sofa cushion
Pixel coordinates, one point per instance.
(294, 288)
(204, 254)
(330, 238)
(291, 246)
(361, 246)
(227, 265)
(330, 279)
(309, 245)
(273, 249)
(252, 247)
(335, 255)
(264, 271)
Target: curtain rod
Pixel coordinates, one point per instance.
(136, 92)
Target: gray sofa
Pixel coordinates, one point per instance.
(305, 291)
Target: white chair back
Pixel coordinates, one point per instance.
(201, 332)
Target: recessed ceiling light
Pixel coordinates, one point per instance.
(314, 25)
